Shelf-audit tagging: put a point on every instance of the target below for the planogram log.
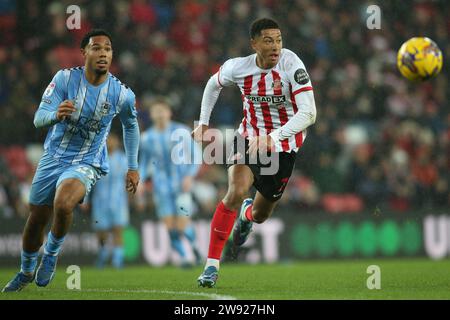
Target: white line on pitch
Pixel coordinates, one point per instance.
(212, 296)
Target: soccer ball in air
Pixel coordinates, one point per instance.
(419, 59)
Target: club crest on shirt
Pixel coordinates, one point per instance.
(105, 108)
(277, 84)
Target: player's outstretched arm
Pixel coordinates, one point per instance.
(131, 143)
(131, 135)
(209, 99)
(210, 95)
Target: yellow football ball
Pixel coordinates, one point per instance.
(419, 59)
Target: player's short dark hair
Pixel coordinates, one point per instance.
(93, 33)
(261, 24)
(161, 100)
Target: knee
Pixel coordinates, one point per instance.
(63, 206)
(234, 197)
(38, 216)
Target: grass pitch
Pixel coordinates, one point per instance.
(344, 279)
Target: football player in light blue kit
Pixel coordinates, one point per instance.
(78, 107)
(109, 205)
(168, 152)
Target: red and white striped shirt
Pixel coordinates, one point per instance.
(271, 98)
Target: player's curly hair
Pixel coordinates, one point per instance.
(93, 33)
(261, 24)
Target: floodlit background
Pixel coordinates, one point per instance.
(372, 178)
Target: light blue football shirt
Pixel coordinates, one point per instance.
(82, 137)
(168, 156)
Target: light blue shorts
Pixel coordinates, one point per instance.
(105, 219)
(173, 204)
(50, 173)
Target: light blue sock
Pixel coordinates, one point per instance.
(176, 243)
(53, 245)
(102, 256)
(28, 261)
(117, 257)
(189, 233)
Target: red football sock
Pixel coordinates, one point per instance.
(248, 213)
(221, 226)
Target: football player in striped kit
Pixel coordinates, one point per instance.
(78, 107)
(278, 105)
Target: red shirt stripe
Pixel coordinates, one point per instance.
(268, 124)
(299, 139)
(244, 121)
(277, 90)
(296, 92)
(218, 78)
(248, 81)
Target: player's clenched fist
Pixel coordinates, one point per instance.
(198, 132)
(260, 144)
(132, 181)
(65, 109)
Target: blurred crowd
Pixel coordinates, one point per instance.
(379, 143)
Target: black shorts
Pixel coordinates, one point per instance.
(271, 172)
